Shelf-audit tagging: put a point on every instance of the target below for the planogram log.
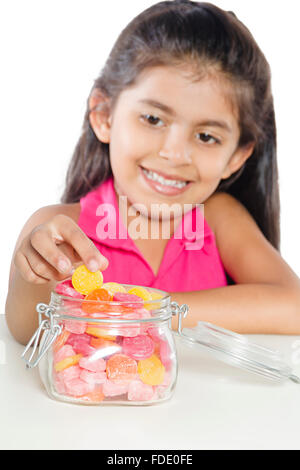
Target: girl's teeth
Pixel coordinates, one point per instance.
(155, 177)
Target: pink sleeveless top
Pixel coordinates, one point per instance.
(191, 260)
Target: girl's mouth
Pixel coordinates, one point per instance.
(170, 187)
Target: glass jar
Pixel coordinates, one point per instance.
(106, 352)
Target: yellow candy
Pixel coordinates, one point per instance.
(84, 281)
(99, 333)
(151, 370)
(68, 362)
(140, 292)
(154, 296)
(113, 287)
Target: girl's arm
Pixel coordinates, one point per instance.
(266, 297)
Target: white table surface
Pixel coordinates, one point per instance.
(215, 406)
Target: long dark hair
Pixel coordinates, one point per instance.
(176, 31)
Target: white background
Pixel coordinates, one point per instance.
(51, 52)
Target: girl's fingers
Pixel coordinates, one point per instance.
(64, 228)
(42, 243)
(23, 265)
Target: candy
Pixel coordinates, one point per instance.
(93, 377)
(99, 333)
(94, 396)
(96, 296)
(62, 353)
(68, 362)
(121, 367)
(138, 347)
(61, 340)
(70, 373)
(140, 292)
(66, 288)
(82, 347)
(151, 370)
(113, 287)
(111, 389)
(138, 391)
(78, 387)
(136, 301)
(154, 305)
(93, 363)
(85, 281)
(74, 326)
(165, 354)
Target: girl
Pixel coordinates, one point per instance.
(181, 115)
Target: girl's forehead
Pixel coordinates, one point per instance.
(183, 92)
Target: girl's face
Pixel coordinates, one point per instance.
(172, 140)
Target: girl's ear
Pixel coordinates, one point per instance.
(238, 159)
(100, 119)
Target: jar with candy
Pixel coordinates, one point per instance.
(105, 343)
(112, 343)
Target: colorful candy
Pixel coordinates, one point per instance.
(113, 287)
(85, 281)
(151, 371)
(121, 367)
(68, 362)
(138, 347)
(94, 360)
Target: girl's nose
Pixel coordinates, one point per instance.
(176, 149)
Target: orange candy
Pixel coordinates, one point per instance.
(101, 343)
(60, 341)
(121, 367)
(96, 395)
(97, 295)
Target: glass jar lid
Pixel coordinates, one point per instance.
(238, 351)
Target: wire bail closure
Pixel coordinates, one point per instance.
(181, 311)
(52, 331)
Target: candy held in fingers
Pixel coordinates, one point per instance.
(85, 281)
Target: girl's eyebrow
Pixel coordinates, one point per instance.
(209, 122)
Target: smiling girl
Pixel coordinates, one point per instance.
(181, 116)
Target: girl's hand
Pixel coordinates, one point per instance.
(52, 249)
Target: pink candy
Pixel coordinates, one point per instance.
(165, 354)
(63, 353)
(78, 387)
(93, 377)
(139, 347)
(77, 327)
(93, 364)
(122, 297)
(66, 288)
(138, 391)
(80, 344)
(111, 388)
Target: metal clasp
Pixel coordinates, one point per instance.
(52, 331)
(182, 312)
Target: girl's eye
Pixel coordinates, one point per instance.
(208, 139)
(152, 120)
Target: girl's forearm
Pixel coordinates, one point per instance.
(244, 308)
